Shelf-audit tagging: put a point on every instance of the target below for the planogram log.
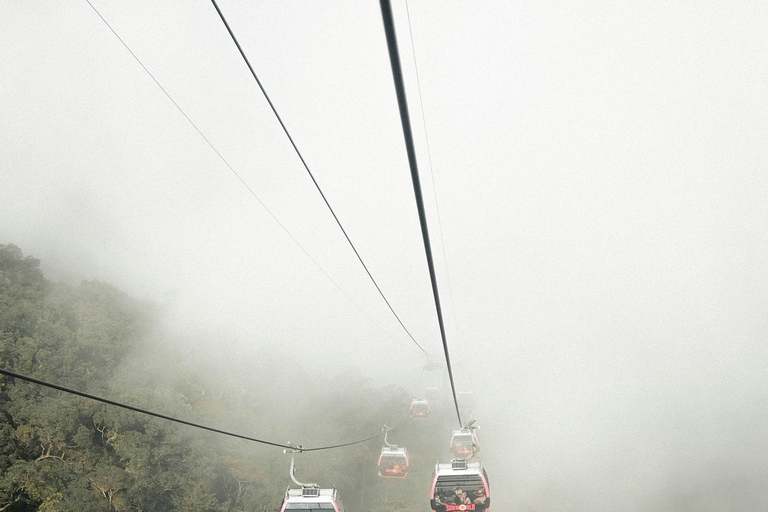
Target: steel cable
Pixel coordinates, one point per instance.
(429, 161)
(306, 167)
(397, 75)
(170, 418)
(236, 174)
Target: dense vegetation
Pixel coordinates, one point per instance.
(60, 452)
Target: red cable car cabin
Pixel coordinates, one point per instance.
(465, 444)
(311, 499)
(460, 486)
(419, 409)
(393, 462)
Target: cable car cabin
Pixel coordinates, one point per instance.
(311, 499)
(419, 409)
(393, 462)
(460, 486)
(465, 444)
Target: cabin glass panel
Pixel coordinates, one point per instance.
(460, 493)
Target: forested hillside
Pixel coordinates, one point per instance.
(60, 452)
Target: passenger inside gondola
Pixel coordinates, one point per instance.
(461, 497)
(469, 495)
(479, 497)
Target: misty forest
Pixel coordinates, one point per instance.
(60, 452)
(347, 229)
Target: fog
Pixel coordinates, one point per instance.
(601, 241)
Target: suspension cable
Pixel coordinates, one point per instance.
(234, 172)
(429, 161)
(397, 74)
(175, 420)
(341, 445)
(304, 163)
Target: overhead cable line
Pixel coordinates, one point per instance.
(341, 445)
(237, 175)
(397, 75)
(304, 163)
(175, 420)
(429, 160)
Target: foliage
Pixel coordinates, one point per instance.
(60, 452)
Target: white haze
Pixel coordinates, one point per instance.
(600, 170)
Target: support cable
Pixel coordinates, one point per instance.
(397, 75)
(429, 160)
(175, 420)
(236, 174)
(341, 445)
(304, 163)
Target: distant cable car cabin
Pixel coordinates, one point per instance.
(393, 462)
(419, 409)
(465, 443)
(460, 486)
(312, 499)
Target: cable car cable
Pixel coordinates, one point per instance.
(304, 163)
(429, 160)
(341, 445)
(170, 418)
(221, 157)
(397, 75)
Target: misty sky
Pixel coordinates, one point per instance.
(600, 172)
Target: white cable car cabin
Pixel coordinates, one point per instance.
(311, 499)
(393, 462)
(465, 444)
(460, 486)
(419, 409)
